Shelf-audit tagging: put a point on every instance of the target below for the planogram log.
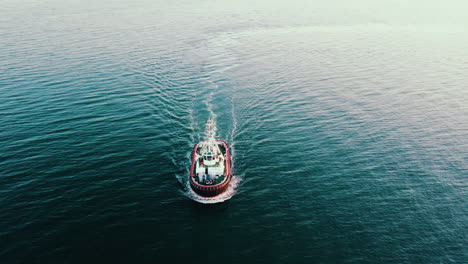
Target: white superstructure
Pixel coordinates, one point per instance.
(210, 163)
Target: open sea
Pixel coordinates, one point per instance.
(347, 120)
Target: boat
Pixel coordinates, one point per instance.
(210, 172)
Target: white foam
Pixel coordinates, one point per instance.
(228, 194)
(209, 105)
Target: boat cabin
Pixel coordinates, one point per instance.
(210, 159)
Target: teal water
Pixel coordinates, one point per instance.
(348, 125)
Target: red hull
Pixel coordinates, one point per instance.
(212, 190)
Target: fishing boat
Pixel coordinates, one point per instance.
(210, 172)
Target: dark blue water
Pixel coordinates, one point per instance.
(348, 124)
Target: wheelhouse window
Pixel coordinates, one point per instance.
(208, 156)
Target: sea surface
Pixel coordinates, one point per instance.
(347, 120)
